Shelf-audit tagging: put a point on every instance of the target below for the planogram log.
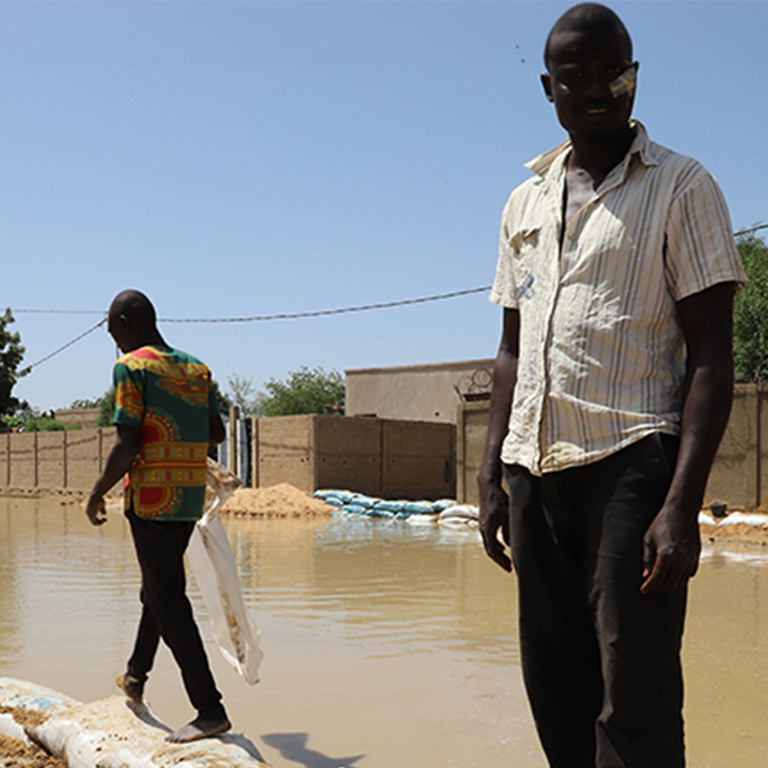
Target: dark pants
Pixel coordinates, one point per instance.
(167, 612)
(601, 661)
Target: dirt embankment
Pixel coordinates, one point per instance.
(14, 753)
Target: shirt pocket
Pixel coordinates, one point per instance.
(524, 244)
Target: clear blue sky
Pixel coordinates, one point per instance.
(237, 159)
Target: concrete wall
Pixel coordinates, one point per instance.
(53, 461)
(413, 393)
(739, 475)
(391, 459)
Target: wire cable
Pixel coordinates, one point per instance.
(279, 316)
(324, 312)
(26, 370)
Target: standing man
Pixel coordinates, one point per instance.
(166, 416)
(612, 389)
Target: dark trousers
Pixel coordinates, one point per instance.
(601, 661)
(167, 612)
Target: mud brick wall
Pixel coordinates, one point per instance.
(739, 475)
(53, 461)
(378, 457)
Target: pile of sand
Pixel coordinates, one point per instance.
(284, 500)
(738, 533)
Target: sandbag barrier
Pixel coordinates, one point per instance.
(112, 733)
(442, 511)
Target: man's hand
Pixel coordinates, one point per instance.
(96, 510)
(671, 549)
(494, 516)
(494, 503)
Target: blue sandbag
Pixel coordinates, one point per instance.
(354, 509)
(419, 508)
(390, 506)
(333, 500)
(375, 512)
(363, 501)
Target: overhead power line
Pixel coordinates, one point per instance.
(278, 316)
(65, 346)
(255, 318)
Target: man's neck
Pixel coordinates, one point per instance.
(598, 157)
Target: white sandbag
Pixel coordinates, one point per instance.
(459, 512)
(736, 518)
(32, 697)
(215, 571)
(111, 733)
(9, 727)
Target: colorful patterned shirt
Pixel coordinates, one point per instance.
(168, 394)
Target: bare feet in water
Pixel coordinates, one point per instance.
(199, 728)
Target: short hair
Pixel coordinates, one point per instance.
(135, 306)
(588, 16)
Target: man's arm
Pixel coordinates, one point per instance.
(118, 463)
(216, 430)
(672, 543)
(494, 504)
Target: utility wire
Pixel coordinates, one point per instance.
(323, 312)
(61, 349)
(255, 318)
(279, 316)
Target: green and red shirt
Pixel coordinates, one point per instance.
(168, 394)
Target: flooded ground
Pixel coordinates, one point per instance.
(386, 644)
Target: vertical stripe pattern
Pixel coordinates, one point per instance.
(602, 355)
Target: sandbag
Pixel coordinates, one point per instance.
(215, 571)
(112, 733)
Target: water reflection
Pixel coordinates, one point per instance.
(385, 642)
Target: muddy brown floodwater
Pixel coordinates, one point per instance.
(386, 644)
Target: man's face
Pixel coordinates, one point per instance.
(582, 65)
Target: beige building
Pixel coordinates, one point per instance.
(430, 392)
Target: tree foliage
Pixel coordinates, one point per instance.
(304, 391)
(11, 355)
(29, 419)
(242, 394)
(106, 406)
(750, 313)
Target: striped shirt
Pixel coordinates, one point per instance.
(602, 354)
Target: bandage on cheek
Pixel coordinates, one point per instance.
(624, 83)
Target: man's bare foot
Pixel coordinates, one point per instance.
(131, 687)
(199, 729)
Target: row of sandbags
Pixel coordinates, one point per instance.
(349, 503)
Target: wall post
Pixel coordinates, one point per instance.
(35, 461)
(255, 452)
(232, 453)
(64, 478)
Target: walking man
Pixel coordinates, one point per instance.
(166, 416)
(612, 388)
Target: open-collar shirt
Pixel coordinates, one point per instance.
(602, 355)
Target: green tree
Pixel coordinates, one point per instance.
(78, 405)
(242, 394)
(750, 313)
(304, 391)
(11, 355)
(106, 406)
(31, 419)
